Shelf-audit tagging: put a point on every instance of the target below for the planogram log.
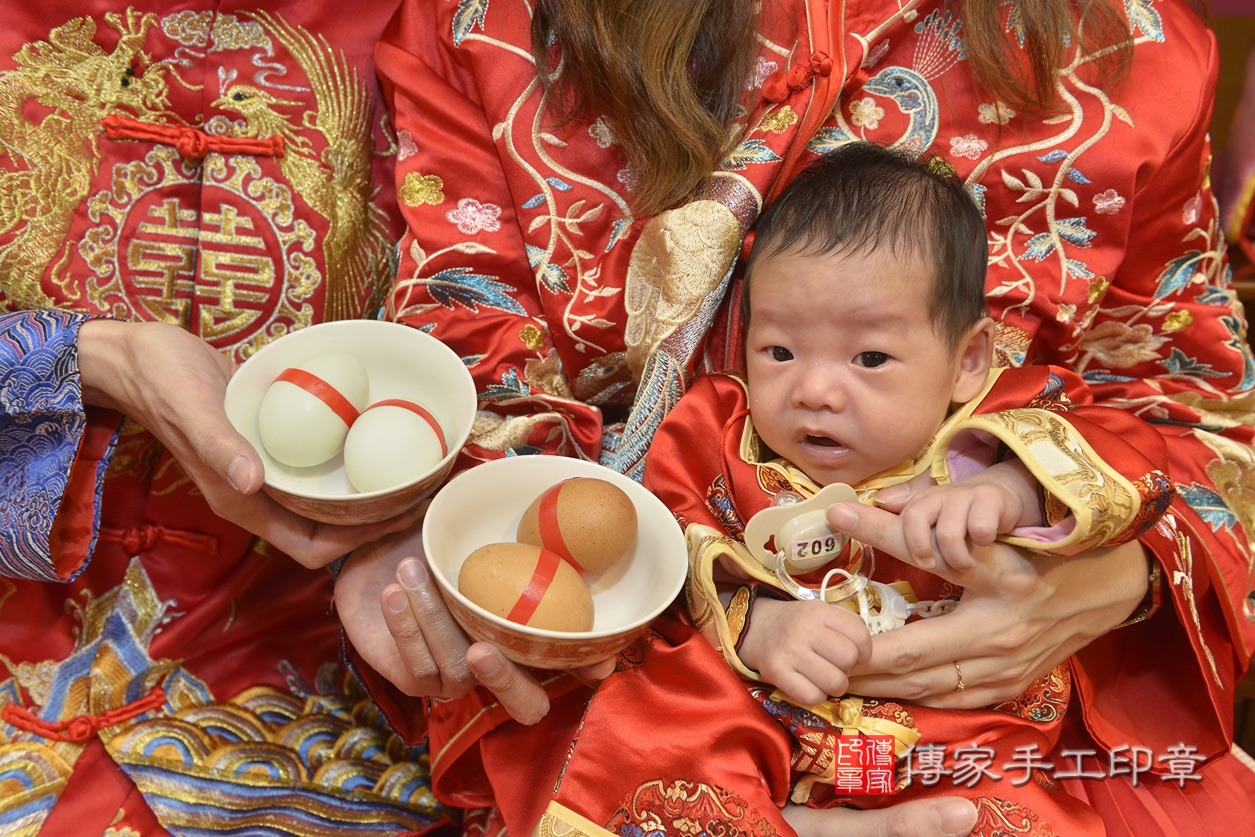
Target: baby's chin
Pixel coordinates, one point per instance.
(832, 479)
(823, 475)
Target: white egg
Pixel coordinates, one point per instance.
(392, 443)
(306, 413)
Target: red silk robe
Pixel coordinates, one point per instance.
(221, 169)
(583, 325)
(710, 468)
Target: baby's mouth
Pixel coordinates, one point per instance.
(822, 441)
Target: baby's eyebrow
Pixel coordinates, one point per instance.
(879, 322)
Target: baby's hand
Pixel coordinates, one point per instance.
(941, 523)
(805, 649)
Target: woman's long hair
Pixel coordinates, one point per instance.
(670, 75)
(1023, 75)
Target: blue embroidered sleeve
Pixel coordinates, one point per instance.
(42, 420)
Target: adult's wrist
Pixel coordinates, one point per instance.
(102, 352)
(1153, 597)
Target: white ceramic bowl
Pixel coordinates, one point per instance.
(402, 362)
(484, 504)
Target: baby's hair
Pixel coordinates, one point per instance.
(862, 197)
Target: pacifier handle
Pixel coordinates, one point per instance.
(854, 583)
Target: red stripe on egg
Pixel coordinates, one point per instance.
(551, 529)
(323, 391)
(422, 413)
(546, 568)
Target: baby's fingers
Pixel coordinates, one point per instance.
(813, 677)
(984, 523)
(799, 689)
(918, 522)
(952, 536)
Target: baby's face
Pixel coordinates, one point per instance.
(847, 376)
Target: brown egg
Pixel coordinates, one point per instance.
(529, 585)
(586, 520)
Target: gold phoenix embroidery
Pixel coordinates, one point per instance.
(335, 182)
(679, 260)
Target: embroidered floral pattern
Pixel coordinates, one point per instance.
(763, 70)
(545, 375)
(417, 189)
(1178, 321)
(1098, 289)
(472, 217)
(601, 133)
(876, 53)
(865, 113)
(1122, 346)
(996, 113)
(1108, 202)
(1190, 212)
(968, 145)
(532, 337)
(780, 120)
(406, 147)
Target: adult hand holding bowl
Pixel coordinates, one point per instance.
(403, 365)
(484, 505)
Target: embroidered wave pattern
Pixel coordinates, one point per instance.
(31, 778)
(269, 763)
(39, 386)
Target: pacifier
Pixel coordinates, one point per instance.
(805, 542)
(800, 529)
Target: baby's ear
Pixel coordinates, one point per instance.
(976, 355)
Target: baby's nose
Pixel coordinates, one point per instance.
(820, 390)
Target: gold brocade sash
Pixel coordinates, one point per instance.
(560, 821)
(846, 716)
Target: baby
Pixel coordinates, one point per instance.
(869, 361)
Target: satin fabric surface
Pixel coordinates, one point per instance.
(225, 168)
(583, 325)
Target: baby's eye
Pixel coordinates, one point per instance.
(780, 354)
(871, 359)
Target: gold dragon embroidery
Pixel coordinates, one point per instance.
(51, 160)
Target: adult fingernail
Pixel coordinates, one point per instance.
(842, 517)
(412, 574)
(240, 473)
(486, 666)
(955, 816)
(395, 600)
(892, 494)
